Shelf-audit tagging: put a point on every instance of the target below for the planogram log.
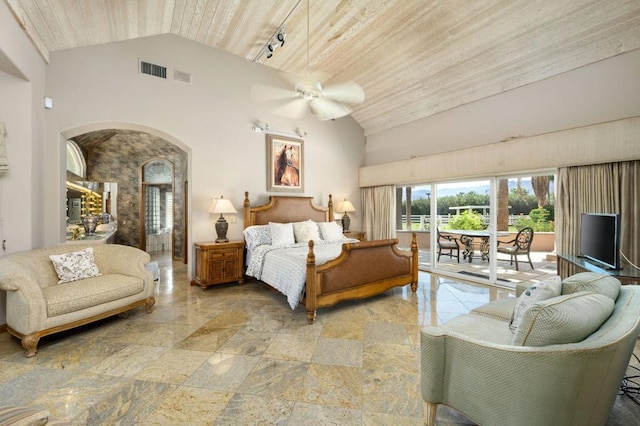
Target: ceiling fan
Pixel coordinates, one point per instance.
(325, 102)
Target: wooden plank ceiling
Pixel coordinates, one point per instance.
(413, 58)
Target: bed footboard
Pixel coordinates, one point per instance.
(361, 270)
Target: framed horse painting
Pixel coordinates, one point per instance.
(285, 166)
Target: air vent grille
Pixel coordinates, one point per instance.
(153, 69)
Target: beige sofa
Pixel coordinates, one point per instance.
(38, 306)
(477, 365)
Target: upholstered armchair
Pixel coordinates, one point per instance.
(471, 365)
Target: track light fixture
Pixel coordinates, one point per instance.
(276, 41)
(267, 129)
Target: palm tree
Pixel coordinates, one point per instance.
(540, 185)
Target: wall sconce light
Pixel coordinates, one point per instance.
(222, 206)
(345, 206)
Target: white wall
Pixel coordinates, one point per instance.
(211, 119)
(22, 79)
(600, 92)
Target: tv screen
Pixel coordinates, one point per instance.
(600, 238)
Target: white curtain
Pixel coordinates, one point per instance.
(599, 188)
(378, 211)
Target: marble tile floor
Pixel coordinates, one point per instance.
(238, 355)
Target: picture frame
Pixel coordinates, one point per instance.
(285, 165)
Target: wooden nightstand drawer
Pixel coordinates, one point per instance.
(218, 263)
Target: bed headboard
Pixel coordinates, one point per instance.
(285, 209)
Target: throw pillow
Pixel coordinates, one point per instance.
(331, 231)
(75, 266)
(257, 235)
(568, 318)
(551, 287)
(593, 283)
(305, 231)
(281, 234)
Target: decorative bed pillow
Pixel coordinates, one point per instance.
(569, 318)
(593, 283)
(305, 231)
(281, 234)
(257, 235)
(330, 231)
(75, 266)
(551, 287)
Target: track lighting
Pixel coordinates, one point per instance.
(276, 41)
(267, 129)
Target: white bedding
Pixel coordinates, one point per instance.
(284, 268)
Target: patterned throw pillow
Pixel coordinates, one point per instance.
(305, 231)
(546, 289)
(281, 234)
(593, 283)
(331, 231)
(75, 266)
(257, 235)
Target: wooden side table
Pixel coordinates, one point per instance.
(218, 263)
(358, 235)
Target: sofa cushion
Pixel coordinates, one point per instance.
(564, 319)
(501, 309)
(592, 282)
(551, 287)
(75, 265)
(479, 327)
(77, 295)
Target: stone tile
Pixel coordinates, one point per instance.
(224, 372)
(187, 405)
(248, 342)
(345, 352)
(292, 347)
(248, 409)
(333, 385)
(128, 361)
(314, 414)
(174, 366)
(207, 338)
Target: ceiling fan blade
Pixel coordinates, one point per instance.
(350, 93)
(327, 109)
(260, 93)
(294, 108)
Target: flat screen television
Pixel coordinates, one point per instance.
(600, 238)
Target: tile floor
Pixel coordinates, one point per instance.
(239, 355)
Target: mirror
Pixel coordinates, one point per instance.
(90, 197)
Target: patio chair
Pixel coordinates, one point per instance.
(450, 244)
(520, 245)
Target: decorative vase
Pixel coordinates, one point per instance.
(90, 222)
(105, 217)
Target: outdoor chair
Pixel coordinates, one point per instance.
(520, 245)
(449, 244)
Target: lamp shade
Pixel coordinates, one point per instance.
(345, 206)
(222, 206)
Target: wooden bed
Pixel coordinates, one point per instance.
(363, 269)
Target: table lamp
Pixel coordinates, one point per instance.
(345, 206)
(222, 206)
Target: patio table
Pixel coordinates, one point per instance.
(467, 237)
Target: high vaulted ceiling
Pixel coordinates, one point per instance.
(413, 58)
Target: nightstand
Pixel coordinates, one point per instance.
(358, 235)
(218, 263)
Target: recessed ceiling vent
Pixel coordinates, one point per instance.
(153, 69)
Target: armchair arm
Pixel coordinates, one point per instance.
(503, 384)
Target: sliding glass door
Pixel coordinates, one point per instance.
(470, 229)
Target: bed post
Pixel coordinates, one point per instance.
(414, 262)
(247, 210)
(310, 296)
(330, 209)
